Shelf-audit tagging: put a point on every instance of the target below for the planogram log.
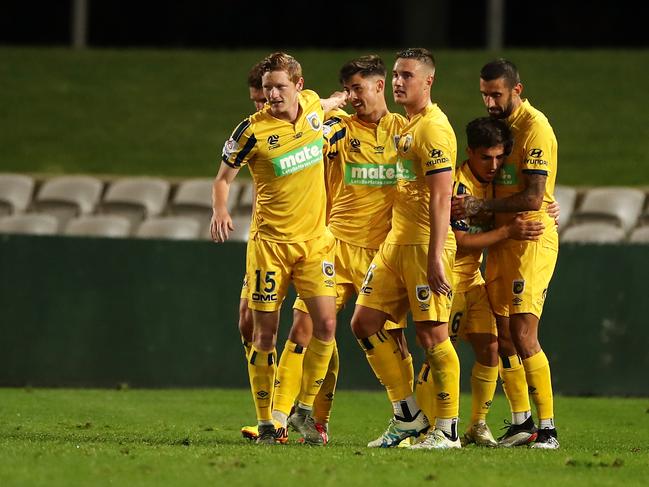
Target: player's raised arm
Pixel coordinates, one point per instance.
(221, 224)
(338, 99)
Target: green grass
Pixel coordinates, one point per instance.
(168, 112)
(190, 437)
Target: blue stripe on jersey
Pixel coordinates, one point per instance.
(236, 135)
(225, 160)
(245, 151)
(435, 171)
(535, 171)
(338, 135)
(332, 121)
(460, 225)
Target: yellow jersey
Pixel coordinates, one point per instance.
(426, 145)
(286, 163)
(361, 177)
(534, 152)
(466, 270)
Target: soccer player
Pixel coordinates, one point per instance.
(245, 314)
(518, 273)
(301, 329)
(413, 268)
(361, 177)
(282, 145)
(489, 141)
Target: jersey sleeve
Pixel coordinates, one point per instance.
(538, 148)
(240, 147)
(436, 150)
(334, 131)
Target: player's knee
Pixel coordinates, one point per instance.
(359, 326)
(506, 346)
(487, 353)
(264, 340)
(302, 329)
(325, 329)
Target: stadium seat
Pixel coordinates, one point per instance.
(98, 226)
(193, 199)
(566, 197)
(640, 235)
(66, 197)
(136, 198)
(617, 205)
(593, 232)
(644, 218)
(29, 224)
(15, 193)
(171, 227)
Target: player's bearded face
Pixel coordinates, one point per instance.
(497, 97)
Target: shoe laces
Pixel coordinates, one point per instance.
(508, 426)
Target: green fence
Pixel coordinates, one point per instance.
(153, 313)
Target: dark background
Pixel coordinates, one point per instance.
(349, 24)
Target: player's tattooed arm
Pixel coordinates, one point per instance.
(529, 199)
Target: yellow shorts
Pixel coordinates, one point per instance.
(270, 267)
(397, 281)
(519, 272)
(471, 313)
(351, 265)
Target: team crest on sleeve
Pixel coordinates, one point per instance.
(314, 121)
(229, 147)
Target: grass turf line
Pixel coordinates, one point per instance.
(191, 437)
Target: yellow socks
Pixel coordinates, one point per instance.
(324, 398)
(384, 357)
(425, 392)
(483, 388)
(261, 372)
(537, 372)
(512, 374)
(408, 371)
(445, 371)
(316, 363)
(289, 376)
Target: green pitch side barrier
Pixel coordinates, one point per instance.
(159, 313)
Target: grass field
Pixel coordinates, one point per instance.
(168, 112)
(190, 437)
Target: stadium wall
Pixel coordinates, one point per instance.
(158, 313)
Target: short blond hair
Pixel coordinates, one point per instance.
(280, 61)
